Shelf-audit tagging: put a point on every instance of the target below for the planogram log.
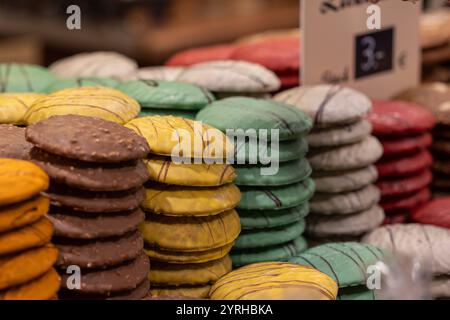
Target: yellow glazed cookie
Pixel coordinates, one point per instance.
(20, 180)
(184, 138)
(13, 106)
(21, 268)
(23, 213)
(187, 257)
(100, 102)
(44, 287)
(191, 233)
(190, 201)
(189, 274)
(275, 281)
(33, 235)
(163, 170)
(198, 292)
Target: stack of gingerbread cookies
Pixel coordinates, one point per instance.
(96, 189)
(342, 154)
(404, 170)
(26, 255)
(191, 223)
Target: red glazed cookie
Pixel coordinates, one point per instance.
(407, 203)
(436, 212)
(399, 118)
(399, 146)
(396, 218)
(203, 54)
(405, 165)
(404, 186)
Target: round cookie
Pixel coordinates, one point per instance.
(276, 198)
(201, 54)
(87, 139)
(124, 277)
(231, 76)
(87, 201)
(404, 165)
(27, 265)
(173, 200)
(250, 152)
(409, 144)
(345, 262)
(91, 176)
(195, 140)
(94, 64)
(20, 180)
(320, 226)
(45, 287)
(183, 257)
(275, 253)
(345, 203)
(30, 236)
(157, 73)
(393, 118)
(189, 274)
(240, 113)
(24, 213)
(288, 173)
(163, 170)
(166, 94)
(13, 144)
(425, 243)
(262, 219)
(353, 156)
(328, 105)
(196, 292)
(168, 112)
(78, 225)
(15, 77)
(344, 181)
(408, 202)
(435, 212)
(61, 84)
(347, 134)
(99, 254)
(274, 281)
(13, 106)
(403, 186)
(188, 233)
(260, 238)
(101, 102)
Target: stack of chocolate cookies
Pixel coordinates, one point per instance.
(404, 170)
(342, 154)
(96, 189)
(273, 175)
(191, 223)
(26, 255)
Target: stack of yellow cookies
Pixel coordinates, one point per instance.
(26, 255)
(191, 223)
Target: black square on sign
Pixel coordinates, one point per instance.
(374, 52)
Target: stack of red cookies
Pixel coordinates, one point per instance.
(436, 212)
(404, 170)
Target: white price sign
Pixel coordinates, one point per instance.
(371, 47)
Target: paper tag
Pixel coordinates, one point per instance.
(341, 43)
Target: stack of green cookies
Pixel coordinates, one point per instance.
(342, 155)
(191, 223)
(15, 77)
(274, 195)
(167, 97)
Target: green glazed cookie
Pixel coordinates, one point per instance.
(288, 173)
(247, 151)
(153, 94)
(248, 113)
(259, 238)
(274, 253)
(356, 293)
(260, 219)
(61, 84)
(15, 77)
(276, 198)
(345, 262)
(168, 112)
